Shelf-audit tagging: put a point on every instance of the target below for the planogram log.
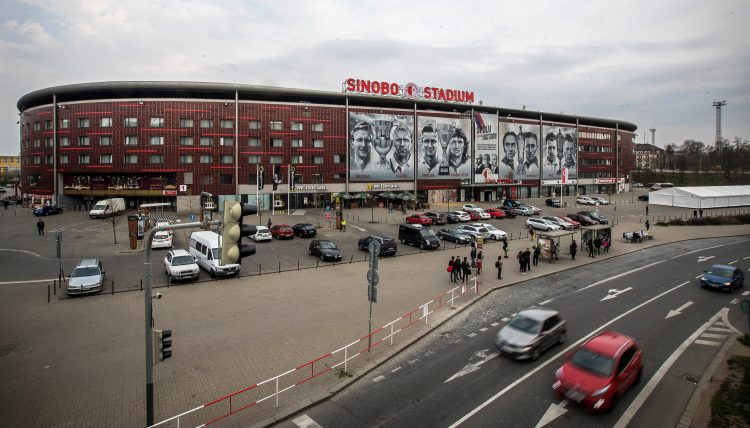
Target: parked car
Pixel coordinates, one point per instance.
(523, 210)
(558, 221)
(553, 202)
(535, 209)
(601, 200)
(326, 250)
(576, 224)
(582, 219)
(484, 215)
(723, 277)
(593, 215)
(418, 236)
(456, 235)
(304, 230)
(470, 207)
(510, 203)
(474, 216)
(87, 277)
(541, 224)
(282, 231)
(508, 212)
(476, 231)
(388, 245)
(179, 264)
(419, 219)
(585, 200)
(601, 370)
(162, 239)
(437, 218)
(462, 215)
(495, 212)
(636, 185)
(45, 210)
(531, 332)
(495, 233)
(262, 233)
(643, 198)
(451, 217)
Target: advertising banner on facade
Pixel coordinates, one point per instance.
(443, 148)
(520, 151)
(560, 149)
(486, 149)
(381, 147)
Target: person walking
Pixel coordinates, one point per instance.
(479, 262)
(590, 244)
(598, 245)
(473, 255)
(573, 249)
(466, 267)
(695, 213)
(343, 225)
(505, 246)
(450, 268)
(606, 243)
(532, 234)
(457, 269)
(40, 227)
(700, 211)
(537, 252)
(499, 266)
(648, 225)
(269, 223)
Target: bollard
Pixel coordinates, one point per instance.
(47, 293)
(297, 264)
(317, 262)
(260, 271)
(54, 287)
(141, 284)
(113, 286)
(279, 266)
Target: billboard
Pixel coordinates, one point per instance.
(443, 148)
(381, 147)
(560, 148)
(520, 151)
(486, 149)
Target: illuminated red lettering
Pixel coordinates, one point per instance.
(427, 93)
(449, 94)
(365, 86)
(469, 97)
(394, 88)
(441, 94)
(375, 86)
(350, 84)
(385, 88)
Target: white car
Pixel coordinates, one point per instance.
(162, 239)
(179, 264)
(495, 233)
(541, 224)
(262, 233)
(163, 223)
(559, 221)
(484, 215)
(537, 210)
(470, 208)
(462, 215)
(585, 200)
(601, 201)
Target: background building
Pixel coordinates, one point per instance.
(648, 157)
(10, 164)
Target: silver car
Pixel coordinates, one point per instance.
(531, 332)
(87, 277)
(558, 221)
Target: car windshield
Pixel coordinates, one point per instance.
(85, 271)
(99, 207)
(724, 272)
(216, 253)
(482, 229)
(182, 260)
(492, 228)
(524, 324)
(592, 362)
(161, 235)
(428, 232)
(327, 245)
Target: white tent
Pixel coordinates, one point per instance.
(702, 197)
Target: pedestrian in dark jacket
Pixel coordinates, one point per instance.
(598, 245)
(499, 266)
(466, 270)
(269, 223)
(450, 269)
(479, 262)
(457, 270)
(40, 226)
(521, 262)
(527, 258)
(647, 224)
(537, 252)
(591, 247)
(505, 247)
(573, 249)
(473, 255)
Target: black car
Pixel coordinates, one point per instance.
(326, 250)
(508, 212)
(304, 230)
(553, 202)
(452, 218)
(388, 245)
(584, 220)
(437, 218)
(47, 210)
(455, 235)
(593, 215)
(643, 198)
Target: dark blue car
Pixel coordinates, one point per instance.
(723, 277)
(47, 210)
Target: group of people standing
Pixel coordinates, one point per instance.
(596, 245)
(527, 258)
(461, 269)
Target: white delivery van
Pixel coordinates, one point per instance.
(107, 208)
(205, 246)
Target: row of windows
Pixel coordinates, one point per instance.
(595, 162)
(594, 135)
(184, 159)
(596, 174)
(158, 140)
(159, 122)
(595, 149)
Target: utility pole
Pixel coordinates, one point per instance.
(717, 105)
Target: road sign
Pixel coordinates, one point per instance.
(372, 277)
(374, 246)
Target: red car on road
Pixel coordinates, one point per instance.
(419, 219)
(282, 231)
(495, 213)
(601, 370)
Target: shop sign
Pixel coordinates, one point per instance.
(310, 187)
(409, 90)
(378, 186)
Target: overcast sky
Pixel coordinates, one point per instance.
(658, 64)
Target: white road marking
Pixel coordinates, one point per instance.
(704, 258)
(735, 301)
(483, 329)
(472, 367)
(378, 379)
(305, 421)
(545, 302)
(358, 228)
(22, 251)
(495, 324)
(745, 258)
(620, 275)
(506, 319)
(613, 292)
(560, 354)
(471, 334)
(707, 343)
(725, 330)
(396, 369)
(28, 282)
(414, 361)
(678, 311)
(719, 323)
(553, 412)
(713, 336)
(698, 276)
(732, 262)
(745, 293)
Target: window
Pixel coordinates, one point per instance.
(297, 126)
(298, 179)
(317, 178)
(206, 159)
(318, 144)
(277, 126)
(64, 141)
(227, 123)
(64, 123)
(48, 159)
(84, 159)
(255, 159)
(48, 124)
(83, 141)
(186, 123)
(49, 142)
(317, 127)
(38, 159)
(105, 158)
(207, 180)
(226, 141)
(297, 143)
(206, 141)
(130, 159)
(207, 123)
(254, 124)
(276, 159)
(131, 140)
(225, 178)
(318, 160)
(63, 159)
(157, 140)
(131, 122)
(227, 159)
(157, 122)
(277, 142)
(186, 141)
(297, 159)
(83, 123)
(37, 143)
(625, 359)
(338, 158)
(105, 122)
(156, 159)
(186, 158)
(105, 140)
(253, 142)
(37, 126)
(252, 178)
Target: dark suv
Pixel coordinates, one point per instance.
(388, 245)
(304, 230)
(437, 218)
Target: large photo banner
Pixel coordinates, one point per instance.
(560, 150)
(486, 164)
(443, 148)
(381, 147)
(520, 151)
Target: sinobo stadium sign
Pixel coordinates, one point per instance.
(409, 90)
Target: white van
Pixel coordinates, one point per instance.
(107, 208)
(659, 186)
(205, 246)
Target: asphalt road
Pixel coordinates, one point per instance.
(454, 378)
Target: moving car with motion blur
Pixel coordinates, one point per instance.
(531, 332)
(723, 277)
(45, 210)
(282, 231)
(419, 219)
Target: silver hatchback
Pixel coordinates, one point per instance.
(531, 332)
(87, 277)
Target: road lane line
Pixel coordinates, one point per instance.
(698, 276)
(378, 379)
(559, 354)
(546, 301)
(620, 275)
(305, 421)
(732, 262)
(28, 282)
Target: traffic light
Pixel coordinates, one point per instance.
(232, 232)
(162, 345)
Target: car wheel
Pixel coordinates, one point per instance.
(322, 259)
(536, 354)
(213, 273)
(562, 338)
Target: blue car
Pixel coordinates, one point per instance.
(47, 210)
(723, 277)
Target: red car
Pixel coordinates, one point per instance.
(495, 213)
(576, 224)
(419, 219)
(474, 215)
(280, 231)
(600, 370)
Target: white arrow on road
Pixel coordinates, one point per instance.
(358, 228)
(613, 292)
(553, 412)
(678, 311)
(704, 258)
(472, 367)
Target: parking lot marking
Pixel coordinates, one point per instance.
(745, 293)
(471, 334)
(495, 324)
(707, 343)
(725, 330)
(506, 319)
(713, 336)
(483, 329)
(732, 262)
(396, 369)
(545, 302)
(378, 379)
(28, 281)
